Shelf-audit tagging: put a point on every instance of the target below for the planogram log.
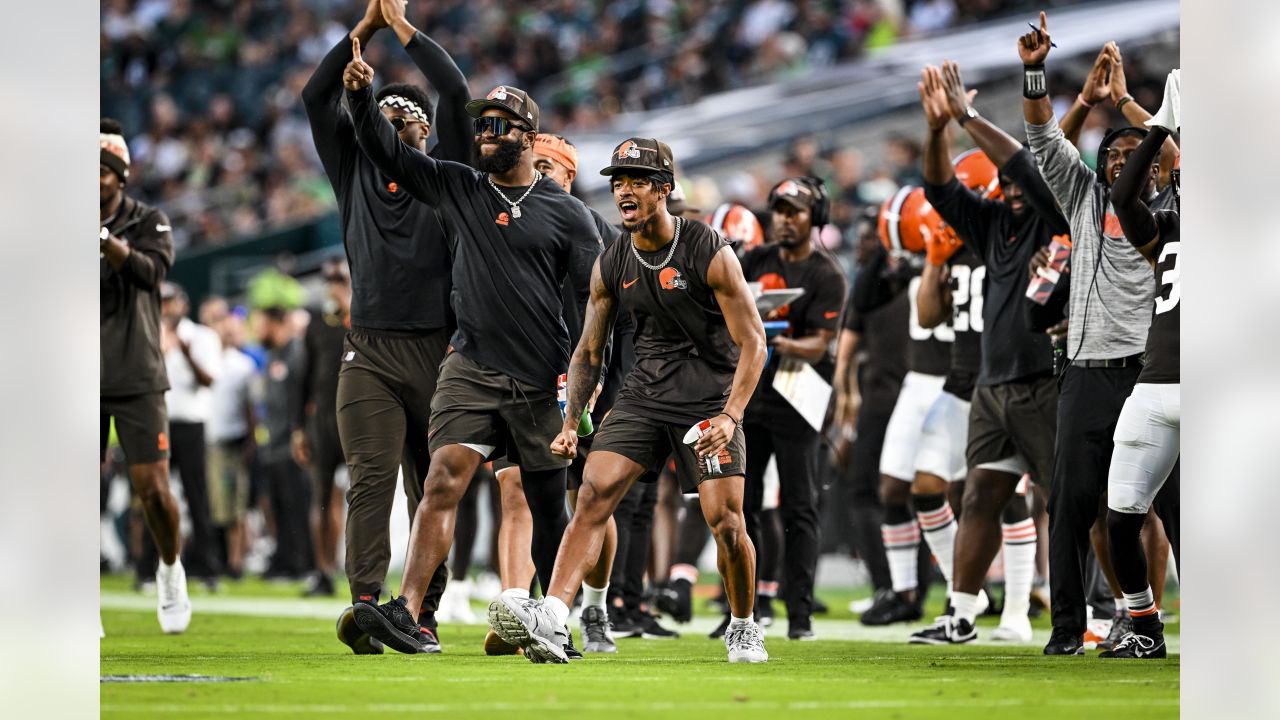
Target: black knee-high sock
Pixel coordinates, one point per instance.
(1127, 555)
(544, 490)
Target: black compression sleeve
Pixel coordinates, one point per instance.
(544, 491)
(1126, 193)
(452, 126)
(322, 101)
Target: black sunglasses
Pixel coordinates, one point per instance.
(400, 123)
(497, 125)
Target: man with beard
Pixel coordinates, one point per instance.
(699, 350)
(400, 317)
(135, 245)
(1109, 316)
(519, 237)
(772, 426)
(1010, 423)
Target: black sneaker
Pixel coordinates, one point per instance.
(319, 586)
(946, 630)
(764, 610)
(650, 629)
(355, 638)
(1147, 644)
(596, 636)
(428, 640)
(1064, 642)
(801, 633)
(623, 623)
(676, 600)
(392, 623)
(1122, 625)
(570, 651)
(889, 607)
(720, 629)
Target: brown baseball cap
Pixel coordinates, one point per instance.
(512, 99)
(647, 154)
(795, 192)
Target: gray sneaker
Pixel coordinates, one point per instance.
(529, 625)
(597, 635)
(1121, 626)
(745, 644)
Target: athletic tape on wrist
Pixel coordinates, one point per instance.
(1034, 85)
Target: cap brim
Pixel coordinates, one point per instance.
(633, 168)
(795, 202)
(476, 108)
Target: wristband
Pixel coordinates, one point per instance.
(1127, 98)
(1034, 86)
(736, 421)
(1086, 103)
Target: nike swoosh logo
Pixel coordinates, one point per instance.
(626, 285)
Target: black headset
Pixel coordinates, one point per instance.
(820, 213)
(1100, 162)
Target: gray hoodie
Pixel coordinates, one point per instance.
(1110, 307)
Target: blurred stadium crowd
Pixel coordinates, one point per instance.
(209, 91)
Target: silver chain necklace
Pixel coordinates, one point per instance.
(670, 253)
(515, 206)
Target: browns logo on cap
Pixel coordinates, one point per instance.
(512, 99)
(647, 154)
(793, 192)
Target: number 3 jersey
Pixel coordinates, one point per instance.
(1163, 342)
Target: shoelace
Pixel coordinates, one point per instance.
(1131, 639)
(743, 638)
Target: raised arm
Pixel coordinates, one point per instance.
(724, 276)
(1132, 111)
(422, 176)
(937, 113)
(322, 96)
(1135, 216)
(1066, 174)
(996, 143)
(933, 300)
(587, 362)
(453, 126)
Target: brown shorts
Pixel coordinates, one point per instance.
(479, 406)
(142, 425)
(650, 442)
(1015, 420)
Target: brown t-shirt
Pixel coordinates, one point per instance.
(685, 357)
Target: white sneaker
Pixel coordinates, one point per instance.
(455, 603)
(745, 644)
(529, 625)
(174, 607)
(984, 602)
(486, 587)
(1014, 628)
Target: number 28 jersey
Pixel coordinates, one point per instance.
(1163, 340)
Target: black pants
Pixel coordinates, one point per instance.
(289, 489)
(796, 450)
(384, 405)
(863, 491)
(1089, 404)
(187, 455)
(634, 517)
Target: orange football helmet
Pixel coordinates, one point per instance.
(738, 224)
(907, 220)
(975, 171)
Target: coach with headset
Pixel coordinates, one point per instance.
(773, 427)
(1109, 313)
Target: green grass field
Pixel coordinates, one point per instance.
(286, 646)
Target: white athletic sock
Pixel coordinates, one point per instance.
(901, 543)
(557, 608)
(736, 622)
(939, 528)
(682, 571)
(594, 597)
(518, 592)
(767, 588)
(1141, 604)
(965, 606)
(1019, 566)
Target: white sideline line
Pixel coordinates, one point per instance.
(1107, 701)
(328, 610)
